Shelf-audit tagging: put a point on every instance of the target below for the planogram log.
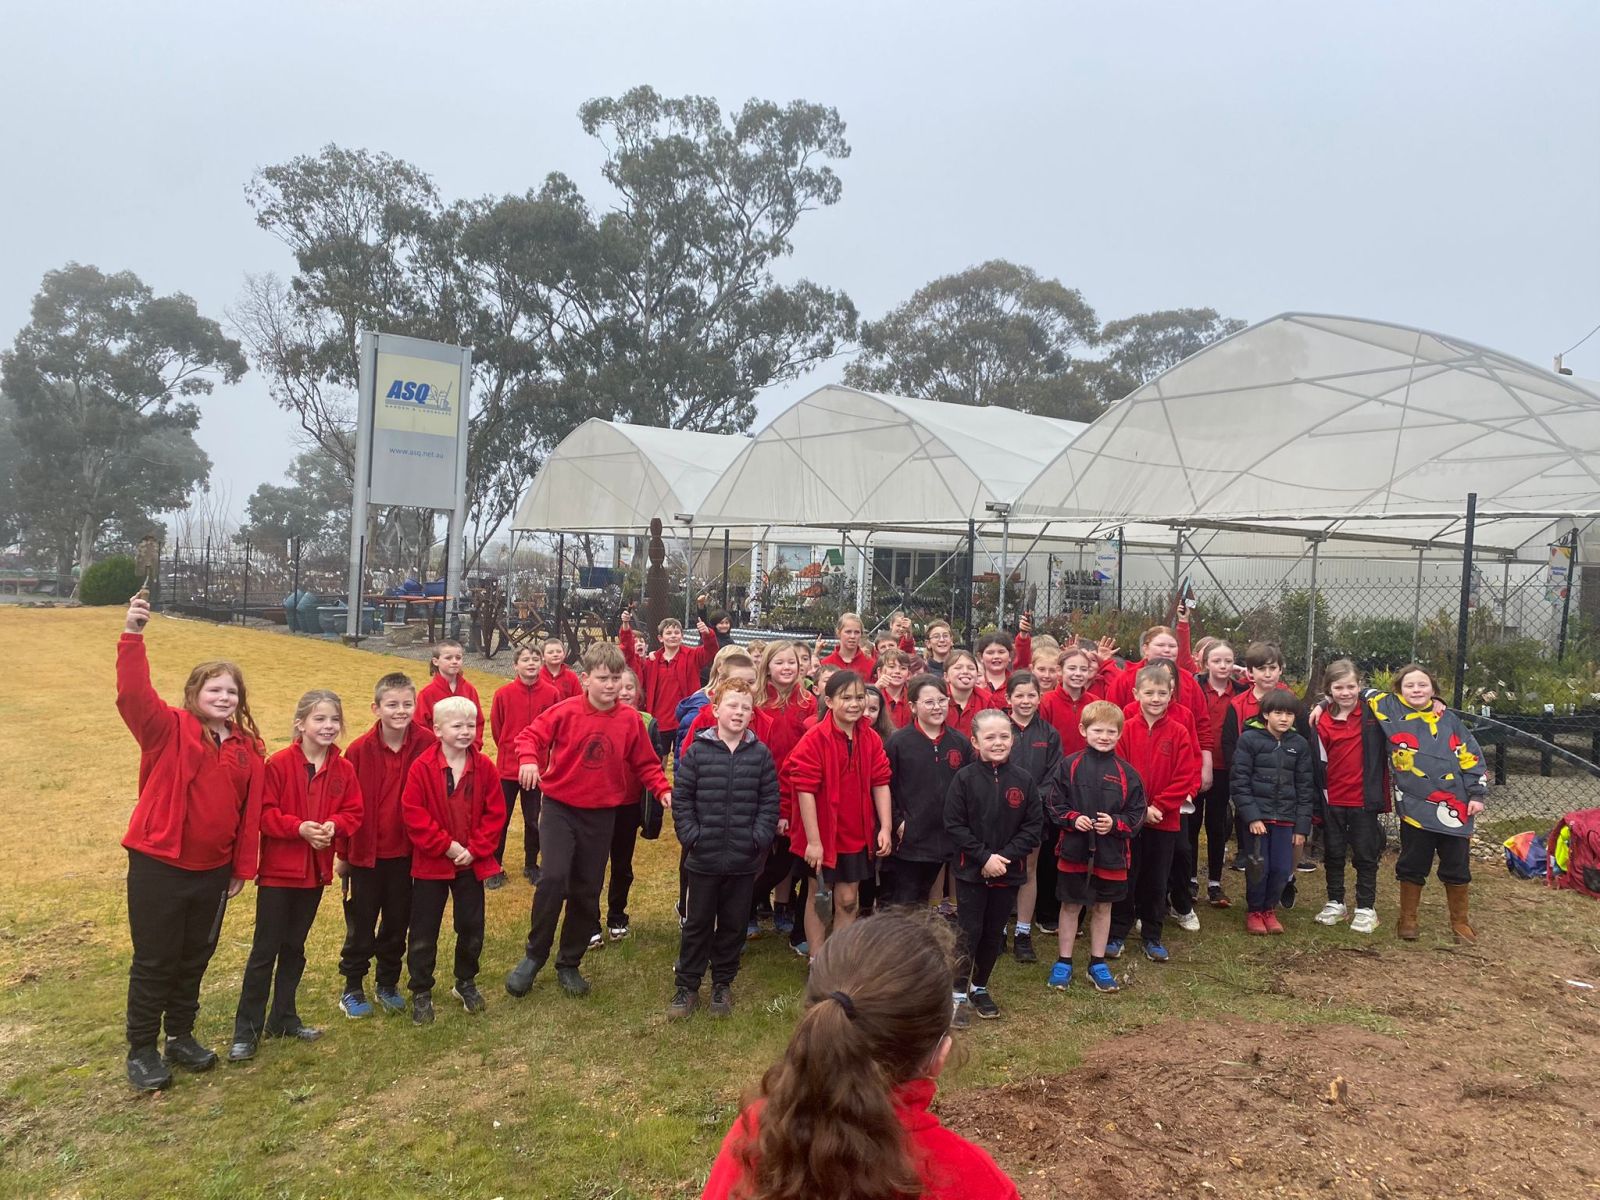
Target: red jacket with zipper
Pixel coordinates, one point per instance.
(199, 804)
(439, 689)
(472, 813)
(514, 708)
(332, 794)
(381, 774)
(1167, 757)
(840, 771)
(663, 682)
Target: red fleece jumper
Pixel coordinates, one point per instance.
(1120, 691)
(439, 689)
(514, 708)
(960, 717)
(381, 774)
(565, 682)
(663, 681)
(591, 757)
(863, 664)
(199, 804)
(951, 1167)
(332, 794)
(473, 813)
(1167, 757)
(841, 772)
(1066, 714)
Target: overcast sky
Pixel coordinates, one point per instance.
(1434, 164)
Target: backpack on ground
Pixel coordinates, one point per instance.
(1575, 858)
(1526, 857)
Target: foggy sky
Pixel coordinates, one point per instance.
(1431, 164)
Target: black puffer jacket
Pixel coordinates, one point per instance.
(1272, 779)
(725, 804)
(993, 809)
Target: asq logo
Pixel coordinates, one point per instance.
(410, 393)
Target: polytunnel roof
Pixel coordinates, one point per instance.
(611, 477)
(1309, 422)
(842, 457)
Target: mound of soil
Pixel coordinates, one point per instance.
(1489, 1085)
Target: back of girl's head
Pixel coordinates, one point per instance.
(728, 659)
(1262, 654)
(309, 701)
(1339, 668)
(207, 671)
(877, 1007)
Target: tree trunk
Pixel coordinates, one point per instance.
(87, 533)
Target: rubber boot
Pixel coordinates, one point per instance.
(1458, 895)
(1410, 899)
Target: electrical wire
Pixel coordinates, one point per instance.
(1579, 342)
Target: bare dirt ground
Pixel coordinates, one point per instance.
(1419, 1070)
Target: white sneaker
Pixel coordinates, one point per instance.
(1366, 920)
(1333, 912)
(1189, 921)
(596, 942)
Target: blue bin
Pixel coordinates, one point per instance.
(306, 613)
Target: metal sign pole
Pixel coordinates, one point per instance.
(362, 482)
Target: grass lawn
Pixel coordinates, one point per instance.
(545, 1096)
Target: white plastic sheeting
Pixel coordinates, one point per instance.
(848, 459)
(610, 477)
(1314, 423)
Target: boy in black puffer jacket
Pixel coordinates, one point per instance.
(995, 820)
(725, 812)
(1271, 776)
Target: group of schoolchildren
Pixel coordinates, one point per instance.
(1026, 783)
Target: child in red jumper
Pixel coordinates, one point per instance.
(1167, 757)
(1100, 812)
(967, 699)
(448, 680)
(311, 797)
(589, 756)
(562, 679)
(375, 862)
(850, 654)
(849, 1100)
(840, 777)
(514, 708)
(193, 840)
(891, 683)
(668, 674)
(453, 813)
(1353, 778)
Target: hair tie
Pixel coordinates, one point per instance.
(845, 1003)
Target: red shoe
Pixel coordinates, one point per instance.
(1255, 923)
(1270, 922)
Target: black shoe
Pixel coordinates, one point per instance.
(471, 998)
(1046, 926)
(1238, 863)
(684, 1002)
(183, 1051)
(1306, 864)
(983, 1004)
(422, 1008)
(1023, 948)
(572, 983)
(520, 981)
(296, 1033)
(495, 882)
(242, 1050)
(531, 874)
(1288, 895)
(721, 1000)
(146, 1071)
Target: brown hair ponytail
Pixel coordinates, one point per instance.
(877, 1008)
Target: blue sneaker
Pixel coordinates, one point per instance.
(1114, 948)
(1155, 952)
(390, 1000)
(803, 949)
(782, 921)
(1060, 976)
(355, 1005)
(753, 932)
(1100, 975)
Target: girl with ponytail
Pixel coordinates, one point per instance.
(844, 1113)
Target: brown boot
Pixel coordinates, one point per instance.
(1410, 899)
(1458, 896)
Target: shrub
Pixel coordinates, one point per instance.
(1373, 643)
(110, 581)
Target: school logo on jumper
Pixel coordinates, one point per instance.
(1014, 797)
(596, 752)
(953, 760)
